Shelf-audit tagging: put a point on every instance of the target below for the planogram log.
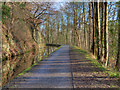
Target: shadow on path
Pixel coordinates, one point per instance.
(86, 75)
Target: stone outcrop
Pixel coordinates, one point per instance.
(17, 38)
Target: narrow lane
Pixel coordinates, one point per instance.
(55, 72)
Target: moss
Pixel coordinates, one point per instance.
(5, 13)
(19, 54)
(27, 69)
(80, 50)
(113, 73)
(21, 20)
(22, 5)
(12, 86)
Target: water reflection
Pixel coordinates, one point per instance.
(49, 50)
(13, 66)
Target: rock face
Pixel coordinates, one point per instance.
(18, 38)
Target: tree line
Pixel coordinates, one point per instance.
(93, 26)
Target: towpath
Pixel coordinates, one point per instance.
(66, 68)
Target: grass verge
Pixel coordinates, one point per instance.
(89, 56)
(27, 69)
(53, 52)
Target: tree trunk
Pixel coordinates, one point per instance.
(102, 35)
(74, 26)
(90, 26)
(67, 33)
(97, 30)
(85, 42)
(79, 33)
(58, 26)
(106, 34)
(118, 54)
(93, 43)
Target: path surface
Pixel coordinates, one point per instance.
(55, 72)
(87, 75)
(65, 70)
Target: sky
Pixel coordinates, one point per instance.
(59, 3)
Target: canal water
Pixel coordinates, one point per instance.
(16, 65)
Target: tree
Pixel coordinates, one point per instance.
(93, 42)
(102, 35)
(118, 54)
(97, 29)
(106, 34)
(90, 29)
(84, 18)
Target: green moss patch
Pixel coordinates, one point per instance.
(27, 69)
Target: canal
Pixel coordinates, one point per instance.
(15, 66)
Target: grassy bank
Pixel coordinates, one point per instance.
(111, 72)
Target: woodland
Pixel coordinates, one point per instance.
(92, 26)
